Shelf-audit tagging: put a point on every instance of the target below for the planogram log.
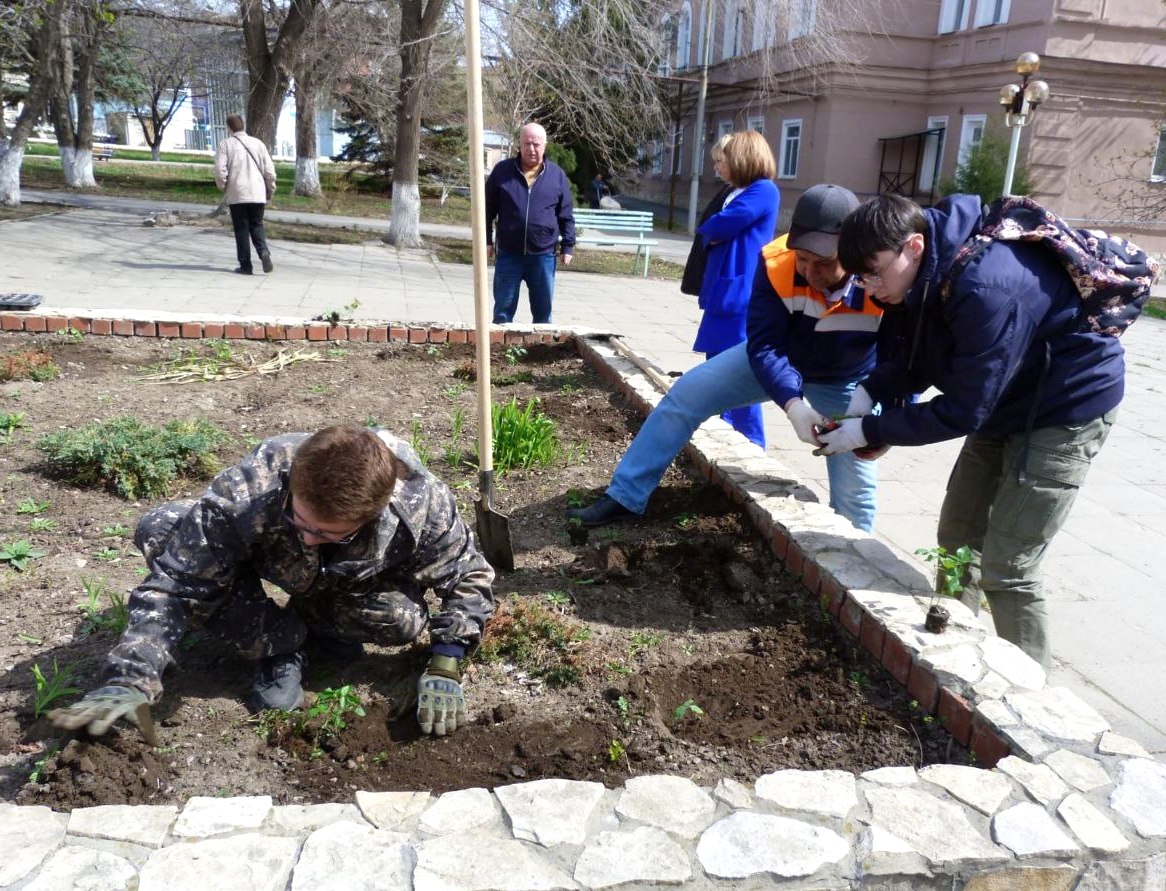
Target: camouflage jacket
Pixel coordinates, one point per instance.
(418, 542)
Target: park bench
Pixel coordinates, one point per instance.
(596, 226)
(103, 148)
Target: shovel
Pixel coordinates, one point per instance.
(493, 527)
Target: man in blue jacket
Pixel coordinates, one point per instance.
(531, 200)
(813, 335)
(1035, 395)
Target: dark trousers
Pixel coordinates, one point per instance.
(247, 219)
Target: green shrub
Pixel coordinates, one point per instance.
(523, 437)
(132, 459)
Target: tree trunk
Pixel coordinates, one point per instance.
(88, 34)
(267, 70)
(10, 163)
(419, 19)
(307, 169)
(155, 153)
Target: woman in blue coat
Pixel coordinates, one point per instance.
(734, 238)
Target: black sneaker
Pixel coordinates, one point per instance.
(239, 270)
(605, 510)
(277, 683)
(265, 259)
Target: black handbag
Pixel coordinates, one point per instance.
(697, 255)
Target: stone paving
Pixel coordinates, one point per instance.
(1059, 801)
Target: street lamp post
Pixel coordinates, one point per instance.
(1020, 102)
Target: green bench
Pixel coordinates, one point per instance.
(597, 226)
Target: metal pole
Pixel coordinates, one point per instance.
(1013, 147)
(698, 122)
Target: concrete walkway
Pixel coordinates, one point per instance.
(1101, 573)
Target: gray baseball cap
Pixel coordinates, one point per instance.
(818, 217)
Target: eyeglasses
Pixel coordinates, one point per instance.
(874, 279)
(289, 514)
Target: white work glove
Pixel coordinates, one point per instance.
(802, 418)
(860, 403)
(845, 438)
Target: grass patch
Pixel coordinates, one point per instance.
(538, 641)
(27, 211)
(318, 234)
(1155, 308)
(596, 262)
(28, 365)
(132, 459)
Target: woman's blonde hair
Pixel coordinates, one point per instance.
(717, 152)
(748, 158)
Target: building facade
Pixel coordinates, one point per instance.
(893, 103)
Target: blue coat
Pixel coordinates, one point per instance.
(734, 238)
(530, 218)
(984, 347)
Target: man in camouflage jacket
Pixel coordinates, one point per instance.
(350, 525)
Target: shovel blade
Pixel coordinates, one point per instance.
(494, 534)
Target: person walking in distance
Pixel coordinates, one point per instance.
(245, 173)
(528, 199)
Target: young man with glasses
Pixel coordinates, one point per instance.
(348, 523)
(1034, 394)
(812, 336)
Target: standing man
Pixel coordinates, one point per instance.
(530, 198)
(1034, 392)
(243, 170)
(351, 527)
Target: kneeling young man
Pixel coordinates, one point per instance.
(349, 524)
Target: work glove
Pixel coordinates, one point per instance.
(100, 708)
(860, 403)
(441, 705)
(802, 418)
(846, 437)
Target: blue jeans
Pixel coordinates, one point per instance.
(510, 271)
(724, 382)
(747, 420)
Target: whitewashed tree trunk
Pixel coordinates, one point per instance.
(405, 219)
(83, 177)
(10, 163)
(68, 165)
(308, 177)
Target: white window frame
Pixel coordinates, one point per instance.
(656, 157)
(991, 12)
(953, 15)
(791, 149)
(757, 122)
(731, 30)
(971, 135)
(724, 128)
(684, 37)
(803, 15)
(932, 153)
(763, 24)
(1158, 164)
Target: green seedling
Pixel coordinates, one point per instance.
(417, 442)
(453, 454)
(642, 641)
(372, 421)
(29, 639)
(952, 567)
(625, 711)
(514, 354)
(333, 704)
(107, 555)
(688, 707)
(38, 766)
(575, 498)
(50, 689)
(117, 530)
(560, 599)
(336, 352)
(42, 524)
(616, 750)
(537, 640)
(618, 668)
(523, 437)
(17, 554)
(455, 390)
(436, 350)
(10, 422)
(115, 619)
(32, 506)
(74, 334)
(684, 520)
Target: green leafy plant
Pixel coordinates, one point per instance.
(336, 352)
(32, 506)
(372, 421)
(107, 555)
(42, 524)
(625, 711)
(537, 640)
(455, 390)
(952, 567)
(38, 766)
(10, 422)
(418, 444)
(117, 530)
(523, 437)
(17, 553)
(34, 365)
(559, 599)
(688, 707)
(74, 334)
(116, 618)
(514, 354)
(641, 641)
(616, 750)
(575, 498)
(436, 350)
(50, 689)
(332, 704)
(132, 459)
(982, 170)
(453, 453)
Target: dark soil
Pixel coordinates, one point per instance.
(676, 644)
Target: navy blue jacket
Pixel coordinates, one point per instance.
(530, 219)
(984, 346)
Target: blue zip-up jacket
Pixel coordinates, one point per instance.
(796, 334)
(530, 218)
(984, 346)
(734, 238)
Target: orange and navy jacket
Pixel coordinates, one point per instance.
(796, 334)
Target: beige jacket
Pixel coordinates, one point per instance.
(243, 179)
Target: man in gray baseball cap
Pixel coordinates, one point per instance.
(812, 336)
